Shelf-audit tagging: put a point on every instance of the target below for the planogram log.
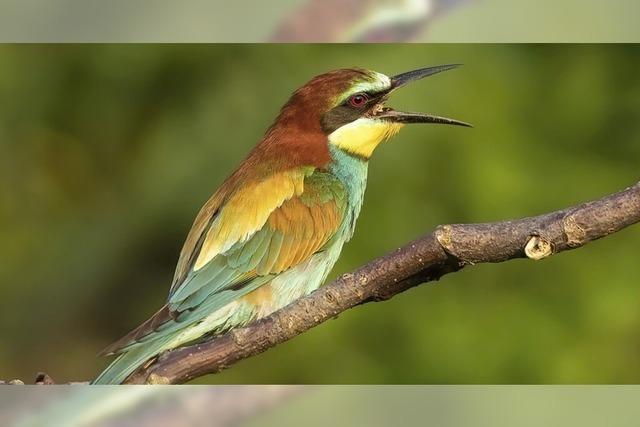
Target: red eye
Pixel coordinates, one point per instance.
(358, 100)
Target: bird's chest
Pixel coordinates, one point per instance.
(352, 172)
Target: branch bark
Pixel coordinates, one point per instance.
(447, 249)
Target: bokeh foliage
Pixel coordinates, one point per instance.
(108, 151)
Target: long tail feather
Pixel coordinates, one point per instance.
(126, 363)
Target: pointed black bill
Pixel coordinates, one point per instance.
(400, 80)
(411, 76)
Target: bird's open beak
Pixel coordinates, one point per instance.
(406, 117)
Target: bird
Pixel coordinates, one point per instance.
(274, 229)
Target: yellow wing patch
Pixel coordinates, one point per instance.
(247, 210)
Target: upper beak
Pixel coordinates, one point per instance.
(405, 117)
(410, 76)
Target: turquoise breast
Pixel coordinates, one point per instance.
(352, 172)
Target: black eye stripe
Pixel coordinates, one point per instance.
(339, 116)
(345, 112)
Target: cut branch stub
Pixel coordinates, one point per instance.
(538, 248)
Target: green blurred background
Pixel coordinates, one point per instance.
(108, 152)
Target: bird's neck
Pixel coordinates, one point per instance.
(351, 170)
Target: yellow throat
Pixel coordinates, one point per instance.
(362, 136)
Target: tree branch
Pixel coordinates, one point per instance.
(447, 249)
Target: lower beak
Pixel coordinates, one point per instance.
(405, 117)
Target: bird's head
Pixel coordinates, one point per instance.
(348, 107)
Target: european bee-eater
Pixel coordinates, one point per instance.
(276, 226)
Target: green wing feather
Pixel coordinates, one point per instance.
(293, 230)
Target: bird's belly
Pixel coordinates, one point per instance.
(293, 284)
(281, 291)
